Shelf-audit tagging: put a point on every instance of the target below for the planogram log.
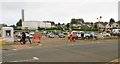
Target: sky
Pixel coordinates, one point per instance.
(58, 10)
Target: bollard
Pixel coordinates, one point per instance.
(37, 38)
(71, 39)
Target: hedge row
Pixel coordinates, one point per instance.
(65, 29)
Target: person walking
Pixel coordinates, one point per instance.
(28, 37)
(23, 38)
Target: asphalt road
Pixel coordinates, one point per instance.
(104, 51)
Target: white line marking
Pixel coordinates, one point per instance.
(35, 58)
(14, 49)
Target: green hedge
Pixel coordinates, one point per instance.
(50, 28)
(19, 30)
(85, 29)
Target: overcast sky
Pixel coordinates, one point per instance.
(58, 10)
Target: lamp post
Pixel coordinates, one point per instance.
(99, 19)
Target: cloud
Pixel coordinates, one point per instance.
(58, 11)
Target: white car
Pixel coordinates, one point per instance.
(105, 34)
(51, 35)
(19, 34)
(31, 34)
(116, 31)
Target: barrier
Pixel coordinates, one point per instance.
(71, 38)
(37, 38)
(2, 41)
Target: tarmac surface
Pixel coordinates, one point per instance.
(61, 50)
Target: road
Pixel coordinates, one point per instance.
(105, 51)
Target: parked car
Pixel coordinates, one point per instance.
(19, 34)
(105, 34)
(61, 35)
(31, 34)
(44, 31)
(116, 32)
(87, 35)
(50, 34)
(65, 33)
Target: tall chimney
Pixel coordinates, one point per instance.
(22, 15)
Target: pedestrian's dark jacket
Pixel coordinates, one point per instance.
(23, 35)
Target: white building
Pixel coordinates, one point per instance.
(35, 24)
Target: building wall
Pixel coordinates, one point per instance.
(35, 24)
(30, 25)
(44, 25)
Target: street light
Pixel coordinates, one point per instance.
(99, 19)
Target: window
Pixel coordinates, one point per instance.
(8, 33)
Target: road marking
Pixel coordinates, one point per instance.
(34, 58)
(23, 60)
(14, 49)
(116, 60)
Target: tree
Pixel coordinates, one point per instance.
(63, 24)
(19, 23)
(91, 23)
(77, 21)
(112, 20)
(95, 25)
(119, 22)
(68, 25)
(13, 26)
(59, 24)
(52, 23)
(73, 21)
(80, 20)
